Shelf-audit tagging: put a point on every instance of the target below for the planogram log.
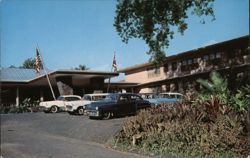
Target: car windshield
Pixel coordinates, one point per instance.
(171, 96)
(98, 97)
(149, 96)
(60, 98)
(86, 97)
(111, 98)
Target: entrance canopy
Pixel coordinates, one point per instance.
(29, 77)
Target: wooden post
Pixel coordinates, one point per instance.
(17, 96)
(41, 95)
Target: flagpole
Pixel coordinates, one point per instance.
(109, 80)
(111, 71)
(47, 76)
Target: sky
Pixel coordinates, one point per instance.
(73, 32)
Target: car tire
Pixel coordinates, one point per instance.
(46, 111)
(54, 109)
(71, 113)
(80, 111)
(107, 115)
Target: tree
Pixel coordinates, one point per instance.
(29, 63)
(81, 67)
(155, 21)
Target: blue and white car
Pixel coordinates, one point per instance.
(162, 98)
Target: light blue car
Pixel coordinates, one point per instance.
(162, 98)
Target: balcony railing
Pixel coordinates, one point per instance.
(204, 66)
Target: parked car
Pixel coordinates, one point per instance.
(116, 104)
(95, 96)
(60, 103)
(171, 95)
(162, 98)
(87, 99)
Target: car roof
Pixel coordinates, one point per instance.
(125, 94)
(98, 94)
(172, 93)
(70, 96)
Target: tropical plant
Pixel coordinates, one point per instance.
(29, 63)
(215, 85)
(204, 131)
(241, 99)
(81, 67)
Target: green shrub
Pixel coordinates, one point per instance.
(27, 105)
(214, 123)
(241, 100)
(186, 129)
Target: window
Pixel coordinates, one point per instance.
(98, 97)
(87, 97)
(190, 61)
(212, 56)
(195, 60)
(123, 98)
(184, 62)
(174, 66)
(166, 68)
(153, 72)
(60, 98)
(218, 55)
(71, 98)
(134, 97)
(206, 57)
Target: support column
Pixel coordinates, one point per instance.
(132, 90)
(41, 95)
(17, 96)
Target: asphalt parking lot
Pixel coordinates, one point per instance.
(57, 135)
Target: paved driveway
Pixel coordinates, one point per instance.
(57, 135)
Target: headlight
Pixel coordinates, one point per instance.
(96, 108)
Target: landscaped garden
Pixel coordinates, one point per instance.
(211, 123)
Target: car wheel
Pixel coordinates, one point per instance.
(71, 113)
(80, 111)
(54, 109)
(46, 111)
(107, 115)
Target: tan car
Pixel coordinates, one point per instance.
(79, 109)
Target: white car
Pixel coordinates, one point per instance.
(87, 99)
(61, 102)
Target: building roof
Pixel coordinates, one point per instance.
(148, 64)
(18, 75)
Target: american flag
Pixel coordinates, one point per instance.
(38, 61)
(114, 65)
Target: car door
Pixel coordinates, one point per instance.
(135, 103)
(123, 105)
(77, 101)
